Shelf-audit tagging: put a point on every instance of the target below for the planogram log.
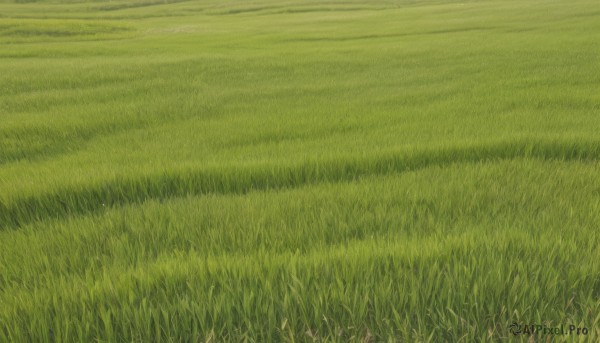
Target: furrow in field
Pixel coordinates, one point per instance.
(71, 201)
(392, 35)
(37, 143)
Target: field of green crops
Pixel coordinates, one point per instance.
(299, 170)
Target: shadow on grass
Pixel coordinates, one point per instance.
(72, 201)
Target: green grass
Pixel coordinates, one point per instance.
(299, 170)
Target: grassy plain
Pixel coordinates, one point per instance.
(299, 170)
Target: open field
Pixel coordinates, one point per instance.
(299, 170)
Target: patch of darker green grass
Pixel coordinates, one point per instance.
(57, 28)
(137, 4)
(125, 190)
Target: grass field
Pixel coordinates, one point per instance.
(299, 170)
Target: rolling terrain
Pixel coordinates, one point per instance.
(299, 170)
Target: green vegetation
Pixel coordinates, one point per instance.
(299, 170)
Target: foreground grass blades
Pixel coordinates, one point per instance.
(336, 259)
(299, 170)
